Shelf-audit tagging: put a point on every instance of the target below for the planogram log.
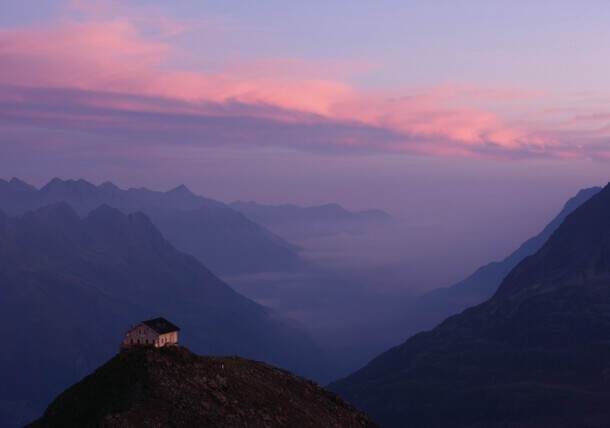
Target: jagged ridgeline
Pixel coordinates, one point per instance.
(174, 387)
(536, 354)
(223, 239)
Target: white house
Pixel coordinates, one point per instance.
(157, 333)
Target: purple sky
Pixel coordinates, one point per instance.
(479, 117)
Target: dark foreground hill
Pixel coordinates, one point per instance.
(70, 286)
(172, 387)
(219, 236)
(537, 354)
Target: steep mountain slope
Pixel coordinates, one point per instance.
(220, 237)
(431, 308)
(173, 387)
(71, 286)
(536, 354)
(296, 222)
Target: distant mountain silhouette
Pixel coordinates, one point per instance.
(537, 354)
(70, 286)
(172, 387)
(222, 238)
(429, 309)
(296, 222)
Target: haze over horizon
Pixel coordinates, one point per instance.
(472, 139)
(287, 103)
(394, 198)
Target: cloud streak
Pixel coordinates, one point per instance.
(109, 78)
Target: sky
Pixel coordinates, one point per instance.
(480, 117)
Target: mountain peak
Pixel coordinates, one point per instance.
(588, 191)
(575, 254)
(57, 184)
(174, 387)
(16, 185)
(109, 185)
(105, 214)
(111, 225)
(181, 190)
(105, 210)
(21, 185)
(53, 183)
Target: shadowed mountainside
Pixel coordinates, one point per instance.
(173, 387)
(537, 354)
(70, 286)
(429, 309)
(355, 321)
(220, 237)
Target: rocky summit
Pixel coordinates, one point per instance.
(172, 387)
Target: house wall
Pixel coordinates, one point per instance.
(140, 335)
(167, 339)
(143, 335)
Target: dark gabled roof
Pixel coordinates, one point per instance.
(161, 325)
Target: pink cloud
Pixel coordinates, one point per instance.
(87, 56)
(113, 56)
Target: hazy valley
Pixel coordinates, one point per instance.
(322, 319)
(236, 214)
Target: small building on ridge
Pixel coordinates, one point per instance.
(157, 332)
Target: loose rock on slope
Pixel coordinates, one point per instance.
(172, 387)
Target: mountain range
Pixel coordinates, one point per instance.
(174, 387)
(536, 354)
(297, 222)
(220, 237)
(354, 323)
(70, 287)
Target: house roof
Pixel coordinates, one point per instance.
(161, 325)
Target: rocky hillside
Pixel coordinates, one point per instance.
(537, 354)
(148, 387)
